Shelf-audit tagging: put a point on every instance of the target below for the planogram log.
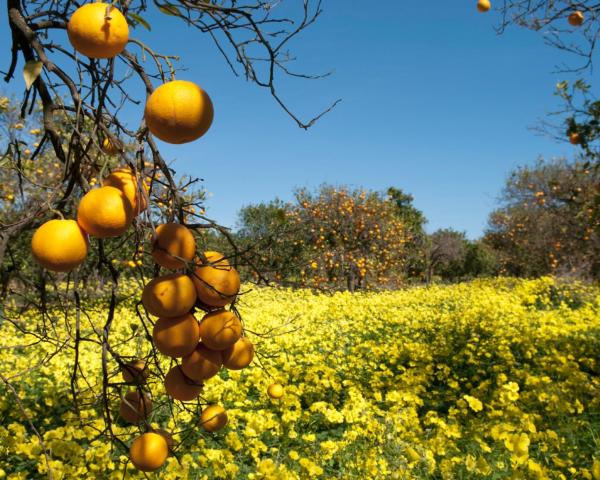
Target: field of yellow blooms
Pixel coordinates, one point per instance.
(490, 379)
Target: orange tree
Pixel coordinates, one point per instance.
(353, 238)
(81, 88)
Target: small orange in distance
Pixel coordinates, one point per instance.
(135, 372)
(149, 452)
(181, 388)
(239, 355)
(173, 241)
(104, 212)
(178, 112)
(59, 245)
(575, 138)
(213, 418)
(134, 408)
(109, 147)
(125, 180)
(202, 364)
(275, 390)
(217, 282)
(98, 30)
(483, 5)
(576, 19)
(176, 336)
(220, 330)
(170, 295)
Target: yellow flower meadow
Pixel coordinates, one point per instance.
(488, 379)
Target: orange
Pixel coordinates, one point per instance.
(59, 245)
(201, 364)
(176, 336)
(109, 148)
(178, 112)
(149, 452)
(217, 282)
(125, 180)
(173, 241)
(181, 388)
(97, 32)
(220, 330)
(135, 372)
(213, 418)
(134, 408)
(575, 138)
(104, 212)
(275, 390)
(576, 19)
(483, 5)
(169, 296)
(167, 436)
(239, 355)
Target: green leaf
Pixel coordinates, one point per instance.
(169, 9)
(137, 19)
(31, 71)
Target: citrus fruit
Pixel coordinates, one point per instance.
(575, 138)
(59, 245)
(169, 296)
(178, 112)
(202, 364)
(135, 407)
(217, 282)
(213, 418)
(181, 388)
(576, 19)
(239, 355)
(220, 330)
(125, 180)
(275, 390)
(109, 148)
(167, 436)
(98, 30)
(104, 212)
(483, 5)
(172, 242)
(135, 372)
(176, 336)
(149, 452)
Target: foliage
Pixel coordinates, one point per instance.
(548, 221)
(492, 379)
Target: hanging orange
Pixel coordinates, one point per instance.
(202, 364)
(169, 296)
(220, 330)
(149, 452)
(213, 418)
(176, 336)
(104, 212)
(181, 388)
(126, 181)
(59, 245)
(217, 282)
(173, 242)
(239, 355)
(135, 407)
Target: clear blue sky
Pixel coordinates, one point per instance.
(434, 102)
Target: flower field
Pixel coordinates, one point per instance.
(489, 379)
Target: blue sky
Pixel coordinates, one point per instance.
(433, 102)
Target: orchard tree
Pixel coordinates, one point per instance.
(86, 189)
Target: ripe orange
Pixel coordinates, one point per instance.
(169, 296)
(213, 418)
(217, 283)
(202, 364)
(105, 212)
(220, 330)
(181, 388)
(125, 180)
(59, 245)
(134, 408)
(575, 138)
(239, 355)
(178, 112)
(176, 336)
(149, 452)
(135, 372)
(173, 240)
(167, 436)
(483, 5)
(97, 32)
(109, 148)
(576, 19)
(275, 390)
